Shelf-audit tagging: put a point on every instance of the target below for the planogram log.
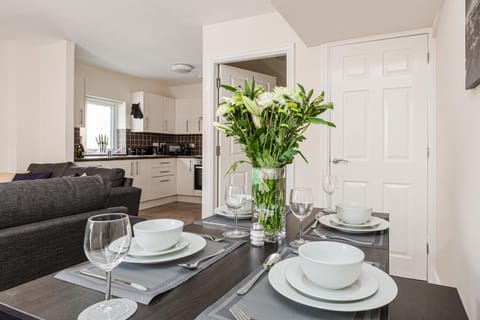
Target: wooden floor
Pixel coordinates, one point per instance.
(187, 212)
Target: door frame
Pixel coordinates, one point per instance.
(432, 275)
(209, 141)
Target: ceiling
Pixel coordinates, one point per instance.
(137, 37)
(321, 21)
(144, 37)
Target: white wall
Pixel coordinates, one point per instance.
(187, 91)
(251, 34)
(113, 85)
(458, 162)
(38, 108)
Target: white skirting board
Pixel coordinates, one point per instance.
(175, 198)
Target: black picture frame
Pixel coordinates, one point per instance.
(472, 43)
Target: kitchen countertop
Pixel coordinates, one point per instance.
(126, 157)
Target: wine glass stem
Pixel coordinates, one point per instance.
(108, 291)
(236, 220)
(330, 201)
(301, 230)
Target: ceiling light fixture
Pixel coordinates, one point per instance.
(182, 68)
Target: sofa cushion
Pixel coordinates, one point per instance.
(25, 202)
(32, 176)
(57, 169)
(115, 176)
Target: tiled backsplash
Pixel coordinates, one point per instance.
(126, 138)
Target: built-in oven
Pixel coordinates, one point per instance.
(197, 175)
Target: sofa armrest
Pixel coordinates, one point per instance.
(127, 182)
(127, 197)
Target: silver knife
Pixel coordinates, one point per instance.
(222, 225)
(134, 285)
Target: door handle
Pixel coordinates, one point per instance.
(337, 161)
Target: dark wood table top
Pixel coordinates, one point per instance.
(50, 298)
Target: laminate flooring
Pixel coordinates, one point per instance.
(187, 212)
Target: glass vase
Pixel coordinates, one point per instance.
(268, 192)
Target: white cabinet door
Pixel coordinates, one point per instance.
(185, 177)
(143, 178)
(79, 103)
(155, 116)
(189, 115)
(168, 114)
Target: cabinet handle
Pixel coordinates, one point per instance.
(199, 123)
(81, 116)
(165, 180)
(164, 162)
(186, 125)
(137, 168)
(166, 125)
(191, 161)
(131, 168)
(165, 171)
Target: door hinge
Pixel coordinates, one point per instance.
(428, 249)
(218, 82)
(217, 150)
(428, 57)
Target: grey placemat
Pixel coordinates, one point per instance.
(221, 222)
(263, 302)
(378, 239)
(158, 278)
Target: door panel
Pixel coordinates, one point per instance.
(231, 151)
(380, 93)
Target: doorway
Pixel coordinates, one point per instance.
(268, 72)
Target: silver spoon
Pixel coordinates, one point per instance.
(267, 265)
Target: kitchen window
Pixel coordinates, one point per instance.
(100, 120)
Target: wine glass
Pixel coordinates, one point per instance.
(107, 241)
(235, 199)
(329, 185)
(301, 205)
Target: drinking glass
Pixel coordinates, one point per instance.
(301, 205)
(235, 199)
(107, 241)
(329, 185)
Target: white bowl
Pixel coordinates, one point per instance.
(353, 213)
(158, 234)
(331, 265)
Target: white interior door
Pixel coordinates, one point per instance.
(229, 150)
(380, 93)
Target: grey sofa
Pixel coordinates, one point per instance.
(122, 192)
(42, 224)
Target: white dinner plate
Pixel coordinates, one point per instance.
(364, 287)
(326, 220)
(196, 243)
(371, 223)
(387, 291)
(137, 251)
(225, 212)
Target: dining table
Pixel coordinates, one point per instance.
(53, 299)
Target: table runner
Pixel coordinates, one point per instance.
(159, 278)
(263, 302)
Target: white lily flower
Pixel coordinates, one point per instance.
(222, 109)
(264, 100)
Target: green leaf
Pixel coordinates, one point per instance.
(309, 95)
(234, 166)
(252, 92)
(247, 89)
(229, 88)
(321, 121)
(302, 89)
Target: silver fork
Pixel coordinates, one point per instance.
(238, 313)
(210, 237)
(194, 265)
(324, 236)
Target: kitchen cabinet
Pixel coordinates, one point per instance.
(186, 177)
(156, 177)
(158, 113)
(189, 116)
(79, 103)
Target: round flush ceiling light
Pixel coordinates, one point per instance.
(182, 68)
